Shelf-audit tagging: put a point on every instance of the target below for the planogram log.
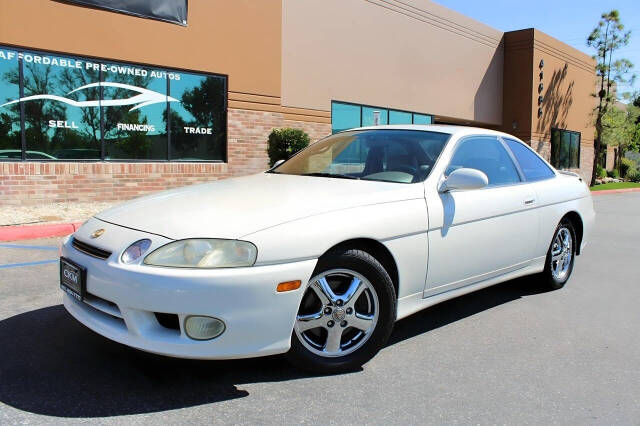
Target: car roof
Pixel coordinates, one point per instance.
(442, 128)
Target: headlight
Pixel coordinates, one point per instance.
(204, 253)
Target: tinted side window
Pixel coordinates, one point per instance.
(485, 153)
(532, 166)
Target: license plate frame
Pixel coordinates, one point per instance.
(73, 278)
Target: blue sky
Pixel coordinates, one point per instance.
(570, 21)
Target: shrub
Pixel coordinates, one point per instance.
(625, 166)
(633, 175)
(613, 173)
(283, 143)
(600, 172)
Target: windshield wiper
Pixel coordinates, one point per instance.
(331, 175)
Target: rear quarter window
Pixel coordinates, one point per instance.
(532, 166)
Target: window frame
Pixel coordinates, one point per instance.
(498, 138)
(102, 60)
(570, 132)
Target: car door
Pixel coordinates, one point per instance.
(479, 234)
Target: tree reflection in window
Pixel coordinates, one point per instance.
(121, 140)
(198, 121)
(56, 128)
(10, 141)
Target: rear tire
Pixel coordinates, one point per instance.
(346, 314)
(560, 256)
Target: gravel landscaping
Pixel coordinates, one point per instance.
(50, 213)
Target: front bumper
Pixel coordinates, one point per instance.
(123, 300)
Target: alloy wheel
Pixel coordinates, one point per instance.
(338, 313)
(561, 254)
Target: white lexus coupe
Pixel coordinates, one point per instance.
(319, 256)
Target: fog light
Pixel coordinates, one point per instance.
(203, 328)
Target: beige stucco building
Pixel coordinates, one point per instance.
(240, 68)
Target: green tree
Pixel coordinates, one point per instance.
(607, 38)
(619, 129)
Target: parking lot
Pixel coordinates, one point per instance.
(507, 354)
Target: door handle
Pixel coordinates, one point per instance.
(529, 201)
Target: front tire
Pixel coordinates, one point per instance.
(561, 256)
(346, 314)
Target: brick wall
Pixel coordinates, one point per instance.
(37, 182)
(29, 183)
(586, 162)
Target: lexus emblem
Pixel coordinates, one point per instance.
(97, 233)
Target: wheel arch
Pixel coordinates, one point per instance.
(376, 249)
(576, 220)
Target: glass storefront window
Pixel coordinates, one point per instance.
(565, 149)
(344, 116)
(61, 112)
(422, 119)
(198, 120)
(368, 116)
(10, 138)
(134, 129)
(574, 156)
(81, 109)
(399, 117)
(348, 116)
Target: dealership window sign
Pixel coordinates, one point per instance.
(55, 107)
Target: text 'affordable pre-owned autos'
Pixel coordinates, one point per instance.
(320, 255)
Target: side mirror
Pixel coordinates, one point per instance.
(276, 164)
(464, 179)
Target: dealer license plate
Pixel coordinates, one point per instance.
(73, 278)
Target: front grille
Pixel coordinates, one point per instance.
(90, 250)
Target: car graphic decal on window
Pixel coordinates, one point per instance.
(146, 97)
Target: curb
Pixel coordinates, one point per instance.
(615, 191)
(28, 232)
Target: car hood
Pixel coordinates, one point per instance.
(236, 207)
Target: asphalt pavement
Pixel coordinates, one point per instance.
(507, 354)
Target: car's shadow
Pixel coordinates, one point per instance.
(52, 365)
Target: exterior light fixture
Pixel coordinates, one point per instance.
(200, 327)
(514, 124)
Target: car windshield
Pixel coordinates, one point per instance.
(387, 155)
